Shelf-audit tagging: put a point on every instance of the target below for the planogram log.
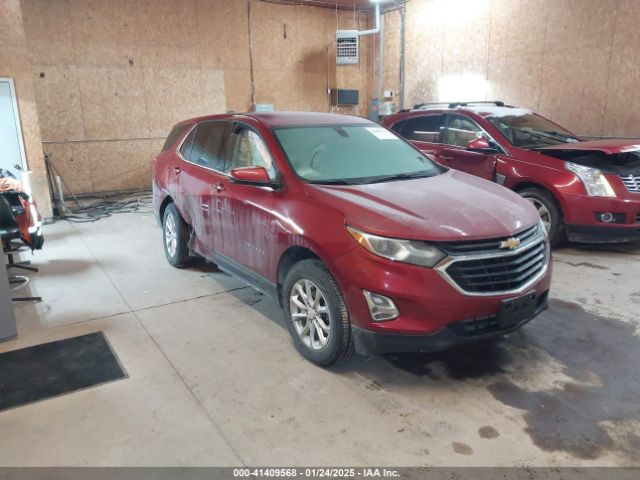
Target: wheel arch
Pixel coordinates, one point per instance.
(163, 206)
(288, 259)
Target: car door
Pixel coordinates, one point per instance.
(203, 155)
(244, 224)
(423, 131)
(458, 132)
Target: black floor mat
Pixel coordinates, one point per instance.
(56, 368)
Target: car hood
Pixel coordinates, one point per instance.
(618, 157)
(453, 206)
(608, 147)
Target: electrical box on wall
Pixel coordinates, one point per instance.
(341, 96)
(347, 47)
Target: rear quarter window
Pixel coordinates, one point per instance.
(176, 132)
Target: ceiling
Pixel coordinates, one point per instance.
(340, 4)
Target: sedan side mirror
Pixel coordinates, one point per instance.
(481, 145)
(252, 176)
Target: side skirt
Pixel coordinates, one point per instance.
(254, 280)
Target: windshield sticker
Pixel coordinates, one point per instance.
(382, 133)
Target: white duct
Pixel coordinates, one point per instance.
(376, 28)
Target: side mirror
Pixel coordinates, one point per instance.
(251, 176)
(481, 145)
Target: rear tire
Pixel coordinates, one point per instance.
(549, 212)
(316, 314)
(175, 233)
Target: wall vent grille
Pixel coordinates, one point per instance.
(347, 47)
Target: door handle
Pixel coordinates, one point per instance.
(177, 170)
(446, 157)
(220, 187)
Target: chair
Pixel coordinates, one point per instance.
(9, 231)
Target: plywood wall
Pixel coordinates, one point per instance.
(15, 62)
(574, 61)
(111, 78)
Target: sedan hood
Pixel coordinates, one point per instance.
(608, 147)
(453, 206)
(618, 157)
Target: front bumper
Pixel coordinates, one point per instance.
(427, 302)
(613, 233)
(371, 343)
(581, 224)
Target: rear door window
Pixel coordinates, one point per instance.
(209, 145)
(423, 128)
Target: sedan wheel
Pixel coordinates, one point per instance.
(310, 314)
(548, 210)
(543, 211)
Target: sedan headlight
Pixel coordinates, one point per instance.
(408, 251)
(594, 181)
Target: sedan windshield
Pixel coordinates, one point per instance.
(528, 130)
(352, 155)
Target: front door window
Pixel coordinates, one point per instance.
(249, 150)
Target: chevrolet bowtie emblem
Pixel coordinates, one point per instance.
(510, 243)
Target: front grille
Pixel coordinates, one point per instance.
(637, 217)
(500, 273)
(632, 182)
(474, 247)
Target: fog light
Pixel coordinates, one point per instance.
(606, 217)
(610, 217)
(381, 308)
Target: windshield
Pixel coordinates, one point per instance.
(530, 130)
(352, 155)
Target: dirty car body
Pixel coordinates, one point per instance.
(585, 190)
(418, 257)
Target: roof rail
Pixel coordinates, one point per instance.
(421, 106)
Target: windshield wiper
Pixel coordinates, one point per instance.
(335, 182)
(397, 176)
(552, 134)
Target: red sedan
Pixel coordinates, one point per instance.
(364, 241)
(585, 191)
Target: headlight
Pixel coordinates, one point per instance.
(408, 251)
(594, 181)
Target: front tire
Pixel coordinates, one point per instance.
(316, 314)
(549, 212)
(175, 233)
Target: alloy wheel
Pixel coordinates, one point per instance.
(310, 314)
(171, 234)
(543, 211)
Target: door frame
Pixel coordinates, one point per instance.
(16, 114)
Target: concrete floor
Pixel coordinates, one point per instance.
(214, 380)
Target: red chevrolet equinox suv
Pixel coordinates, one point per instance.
(585, 191)
(364, 241)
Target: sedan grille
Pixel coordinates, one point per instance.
(500, 273)
(632, 182)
